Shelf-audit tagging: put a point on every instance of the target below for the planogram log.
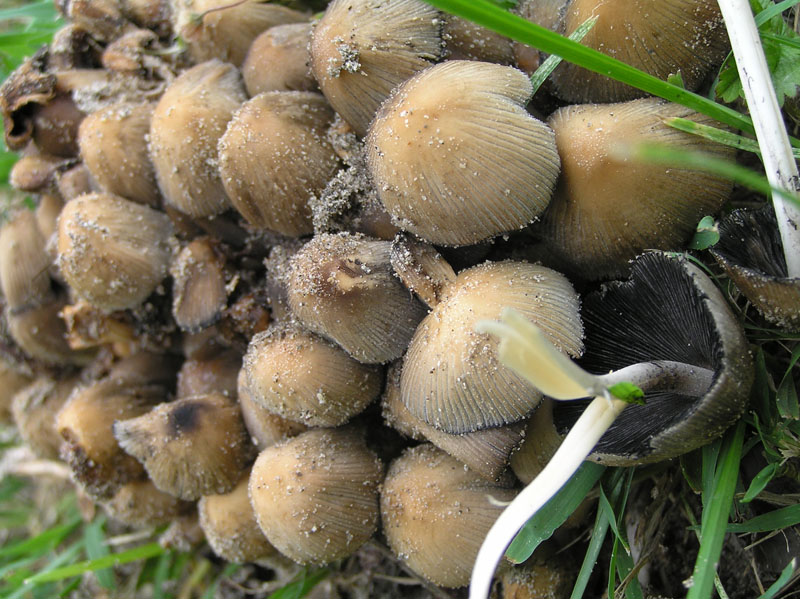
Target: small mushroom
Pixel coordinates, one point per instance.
(41, 333)
(316, 495)
(265, 428)
(210, 373)
(140, 504)
(190, 447)
(34, 409)
(24, 262)
(428, 152)
(278, 60)
(464, 40)
(199, 290)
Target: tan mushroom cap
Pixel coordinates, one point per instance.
(113, 145)
(265, 428)
(316, 495)
(306, 378)
(199, 291)
(24, 262)
(455, 156)
(274, 155)
(190, 447)
(660, 37)
(343, 287)
(214, 373)
(608, 208)
(435, 514)
(540, 443)
(465, 40)
(230, 525)
(113, 252)
(34, 409)
(278, 60)
(187, 123)
(41, 333)
(140, 504)
(451, 376)
(362, 49)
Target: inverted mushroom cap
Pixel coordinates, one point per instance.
(435, 514)
(608, 208)
(113, 252)
(451, 376)
(455, 156)
(316, 495)
(361, 50)
(668, 310)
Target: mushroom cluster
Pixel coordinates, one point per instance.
(240, 249)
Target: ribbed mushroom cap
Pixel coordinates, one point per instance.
(186, 126)
(451, 376)
(265, 428)
(435, 514)
(660, 37)
(113, 252)
(608, 208)
(342, 287)
(223, 29)
(668, 310)
(199, 291)
(306, 378)
(465, 40)
(190, 447)
(24, 262)
(37, 172)
(85, 423)
(455, 156)
(140, 504)
(274, 155)
(278, 60)
(215, 373)
(362, 49)
(485, 452)
(751, 252)
(230, 526)
(34, 410)
(316, 495)
(41, 333)
(540, 443)
(113, 144)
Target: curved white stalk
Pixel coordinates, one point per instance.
(779, 164)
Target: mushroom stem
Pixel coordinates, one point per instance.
(776, 150)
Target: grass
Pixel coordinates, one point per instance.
(53, 562)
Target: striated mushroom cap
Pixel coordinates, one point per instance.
(265, 428)
(278, 60)
(316, 495)
(190, 447)
(140, 504)
(42, 334)
(186, 126)
(362, 49)
(111, 251)
(451, 376)
(455, 156)
(24, 262)
(435, 514)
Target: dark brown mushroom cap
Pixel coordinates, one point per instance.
(455, 156)
(667, 310)
(751, 252)
(274, 155)
(362, 49)
(607, 208)
(660, 37)
(343, 287)
(435, 514)
(190, 447)
(451, 376)
(316, 495)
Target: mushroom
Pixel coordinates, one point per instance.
(667, 331)
(140, 504)
(464, 40)
(34, 410)
(199, 290)
(24, 262)
(428, 152)
(265, 428)
(278, 60)
(12, 380)
(316, 495)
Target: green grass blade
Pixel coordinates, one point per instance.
(42, 542)
(228, 571)
(161, 574)
(115, 559)
(599, 533)
(488, 15)
(68, 555)
(774, 10)
(719, 136)
(777, 586)
(554, 513)
(715, 515)
(760, 481)
(551, 62)
(774, 520)
(300, 587)
(96, 548)
(44, 10)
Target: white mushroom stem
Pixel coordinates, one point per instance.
(524, 348)
(773, 140)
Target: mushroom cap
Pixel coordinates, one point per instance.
(751, 252)
(34, 409)
(316, 495)
(306, 378)
(113, 252)
(362, 49)
(140, 504)
(199, 291)
(24, 262)
(660, 37)
(435, 514)
(186, 126)
(278, 60)
(41, 333)
(668, 310)
(265, 428)
(274, 155)
(342, 286)
(465, 40)
(455, 156)
(606, 208)
(190, 447)
(451, 376)
(215, 373)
